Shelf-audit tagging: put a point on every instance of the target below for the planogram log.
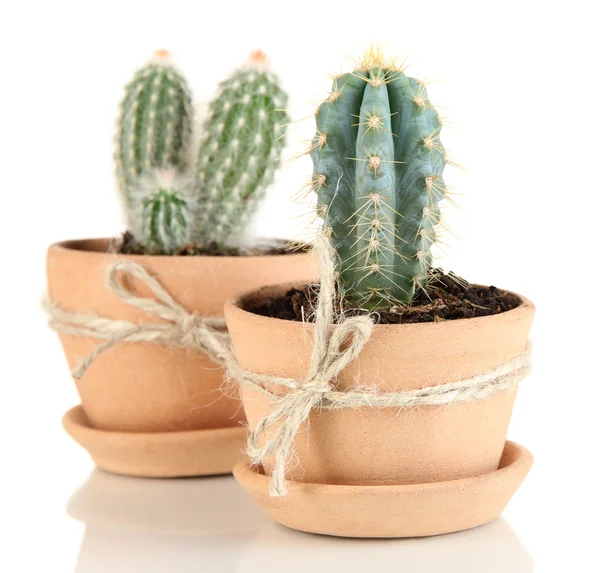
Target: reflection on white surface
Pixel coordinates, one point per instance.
(192, 506)
(493, 548)
(209, 524)
(151, 525)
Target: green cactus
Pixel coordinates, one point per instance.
(152, 146)
(237, 159)
(244, 138)
(165, 220)
(378, 165)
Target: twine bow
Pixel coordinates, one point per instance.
(292, 409)
(335, 347)
(181, 328)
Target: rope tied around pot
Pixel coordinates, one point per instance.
(181, 328)
(336, 344)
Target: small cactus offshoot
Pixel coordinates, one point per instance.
(237, 159)
(241, 149)
(378, 165)
(165, 214)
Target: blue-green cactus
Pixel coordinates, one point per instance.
(241, 149)
(378, 164)
(152, 148)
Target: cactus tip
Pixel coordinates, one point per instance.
(372, 58)
(161, 56)
(258, 59)
(258, 56)
(375, 58)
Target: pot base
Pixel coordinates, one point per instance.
(414, 510)
(158, 454)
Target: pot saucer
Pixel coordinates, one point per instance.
(411, 510)
(158, 454)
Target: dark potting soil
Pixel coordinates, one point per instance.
(447, 297)
(129, 246)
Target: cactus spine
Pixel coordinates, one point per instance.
(378, 165)
(244, 138)
(152, 146)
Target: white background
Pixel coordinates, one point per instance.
(520, 80)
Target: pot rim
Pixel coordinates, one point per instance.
(235, 305)
(77, 246)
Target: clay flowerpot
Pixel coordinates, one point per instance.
(146, 408)
(436, 452)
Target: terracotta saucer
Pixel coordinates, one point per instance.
(160, 454)
(412, 510)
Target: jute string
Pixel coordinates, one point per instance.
(338, 340)
(181, 329)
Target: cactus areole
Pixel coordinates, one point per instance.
(378, 164)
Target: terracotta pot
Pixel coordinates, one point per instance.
(148, 387)
(368, 446)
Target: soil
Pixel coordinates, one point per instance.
(129, 246)
(447, 297)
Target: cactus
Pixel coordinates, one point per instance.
(378, 165)
(237, 158)
(165, 214)
(244, 138)
(152, 146)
